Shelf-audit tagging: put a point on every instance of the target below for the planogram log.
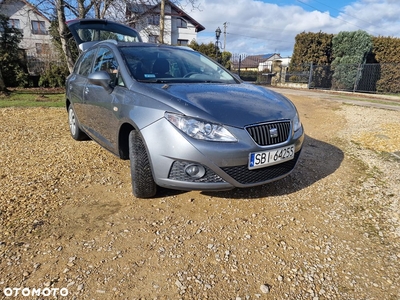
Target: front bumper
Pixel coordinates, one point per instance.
(225, 164)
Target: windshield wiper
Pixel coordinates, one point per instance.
(204, 81)
(154, 80)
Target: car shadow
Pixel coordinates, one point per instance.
(317, 161)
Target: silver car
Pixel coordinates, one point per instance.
(183, 120)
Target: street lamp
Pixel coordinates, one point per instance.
(217, 35)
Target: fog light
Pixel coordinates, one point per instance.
(195, 171)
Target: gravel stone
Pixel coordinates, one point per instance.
(330, 230)
(264, 288)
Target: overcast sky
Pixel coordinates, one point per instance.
(268, 26)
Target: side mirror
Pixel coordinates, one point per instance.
(101, 78)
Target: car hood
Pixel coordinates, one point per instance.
(230, 104)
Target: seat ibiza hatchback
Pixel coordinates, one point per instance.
(183, 120)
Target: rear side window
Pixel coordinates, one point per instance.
(84, 64)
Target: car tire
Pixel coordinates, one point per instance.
(143, 185)
(74, 127)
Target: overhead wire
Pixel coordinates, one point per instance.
(344, 13)
(263, 31)
(338, 18)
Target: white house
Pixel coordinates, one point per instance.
(284, 61)
(33, 25)
(179, 27)
(265, 62)
(259, 63)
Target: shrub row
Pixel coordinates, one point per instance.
(349, 47)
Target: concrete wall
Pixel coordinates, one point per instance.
(279, 71)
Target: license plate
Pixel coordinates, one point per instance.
(272, 157)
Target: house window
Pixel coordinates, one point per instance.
(183, 42)
(153, 20)
(182, 23)
(42, 48)
(14, 23)
(153, 38)
(38, 27)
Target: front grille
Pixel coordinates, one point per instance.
(177, 172)
(245, 176)
(262, 134)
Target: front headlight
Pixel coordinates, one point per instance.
(296, 123)
(200, 129)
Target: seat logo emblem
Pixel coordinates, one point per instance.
(273, 133)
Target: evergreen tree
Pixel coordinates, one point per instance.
(386, 51)
(3, 88)
(312, 47)
(12, 72)
(316, 49)
(209, 49)
(351, 50)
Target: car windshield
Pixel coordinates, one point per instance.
(173, 64)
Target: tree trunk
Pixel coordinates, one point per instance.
(162, 25)
(82, 9)
(3, 88)
(63, 30)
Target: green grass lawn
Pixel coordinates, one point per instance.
(35, 97)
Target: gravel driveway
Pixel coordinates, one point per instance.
(330, 230)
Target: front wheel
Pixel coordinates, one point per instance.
(143, 185)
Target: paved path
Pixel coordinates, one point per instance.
(370, 100)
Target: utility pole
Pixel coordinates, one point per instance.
(225, 35)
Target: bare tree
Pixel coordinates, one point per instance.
(63, 31)
(153, 8)
(95, 8)
(101, 8)
(162, 20)
(58, 10)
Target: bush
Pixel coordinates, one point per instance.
(21, 77)
(54, 76)
(351, 50)
(249, 75)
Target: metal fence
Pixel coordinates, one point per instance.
(252, 67)
(368, 78)
(345, 77)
